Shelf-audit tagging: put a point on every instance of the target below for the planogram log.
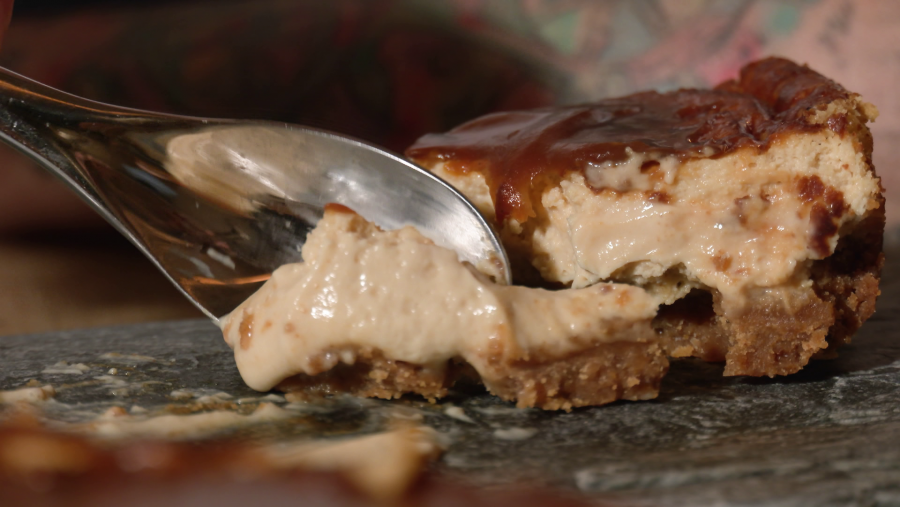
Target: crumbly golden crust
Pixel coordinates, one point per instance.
(775, 332)
(690, 328)
(849, 278)
(614, 371)
(375, 376)
(605, 373)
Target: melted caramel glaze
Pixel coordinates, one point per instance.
(522, 152)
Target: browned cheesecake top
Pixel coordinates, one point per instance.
(522, 151)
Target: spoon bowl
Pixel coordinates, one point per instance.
(217, 205)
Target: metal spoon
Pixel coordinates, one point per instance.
(217, 205)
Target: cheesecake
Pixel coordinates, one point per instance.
(751, 212)
(384, 313)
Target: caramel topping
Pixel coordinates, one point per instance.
(521, 152)
(338, 208)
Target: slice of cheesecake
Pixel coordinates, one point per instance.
(750, 212)
(383, 313)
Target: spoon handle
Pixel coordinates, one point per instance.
(218, 205)
(40, 122)
(107, 154)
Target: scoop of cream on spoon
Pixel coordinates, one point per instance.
(217, 205)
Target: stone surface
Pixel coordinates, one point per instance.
(828, 436)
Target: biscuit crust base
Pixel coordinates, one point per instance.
(781, 329)
(605, 373)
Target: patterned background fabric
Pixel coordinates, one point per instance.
(391, 70)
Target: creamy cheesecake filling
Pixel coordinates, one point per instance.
(361, 289)
(749, 218)
(760, 193)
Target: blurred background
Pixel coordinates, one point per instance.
(384, 70)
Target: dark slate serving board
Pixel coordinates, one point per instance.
(828, 436)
